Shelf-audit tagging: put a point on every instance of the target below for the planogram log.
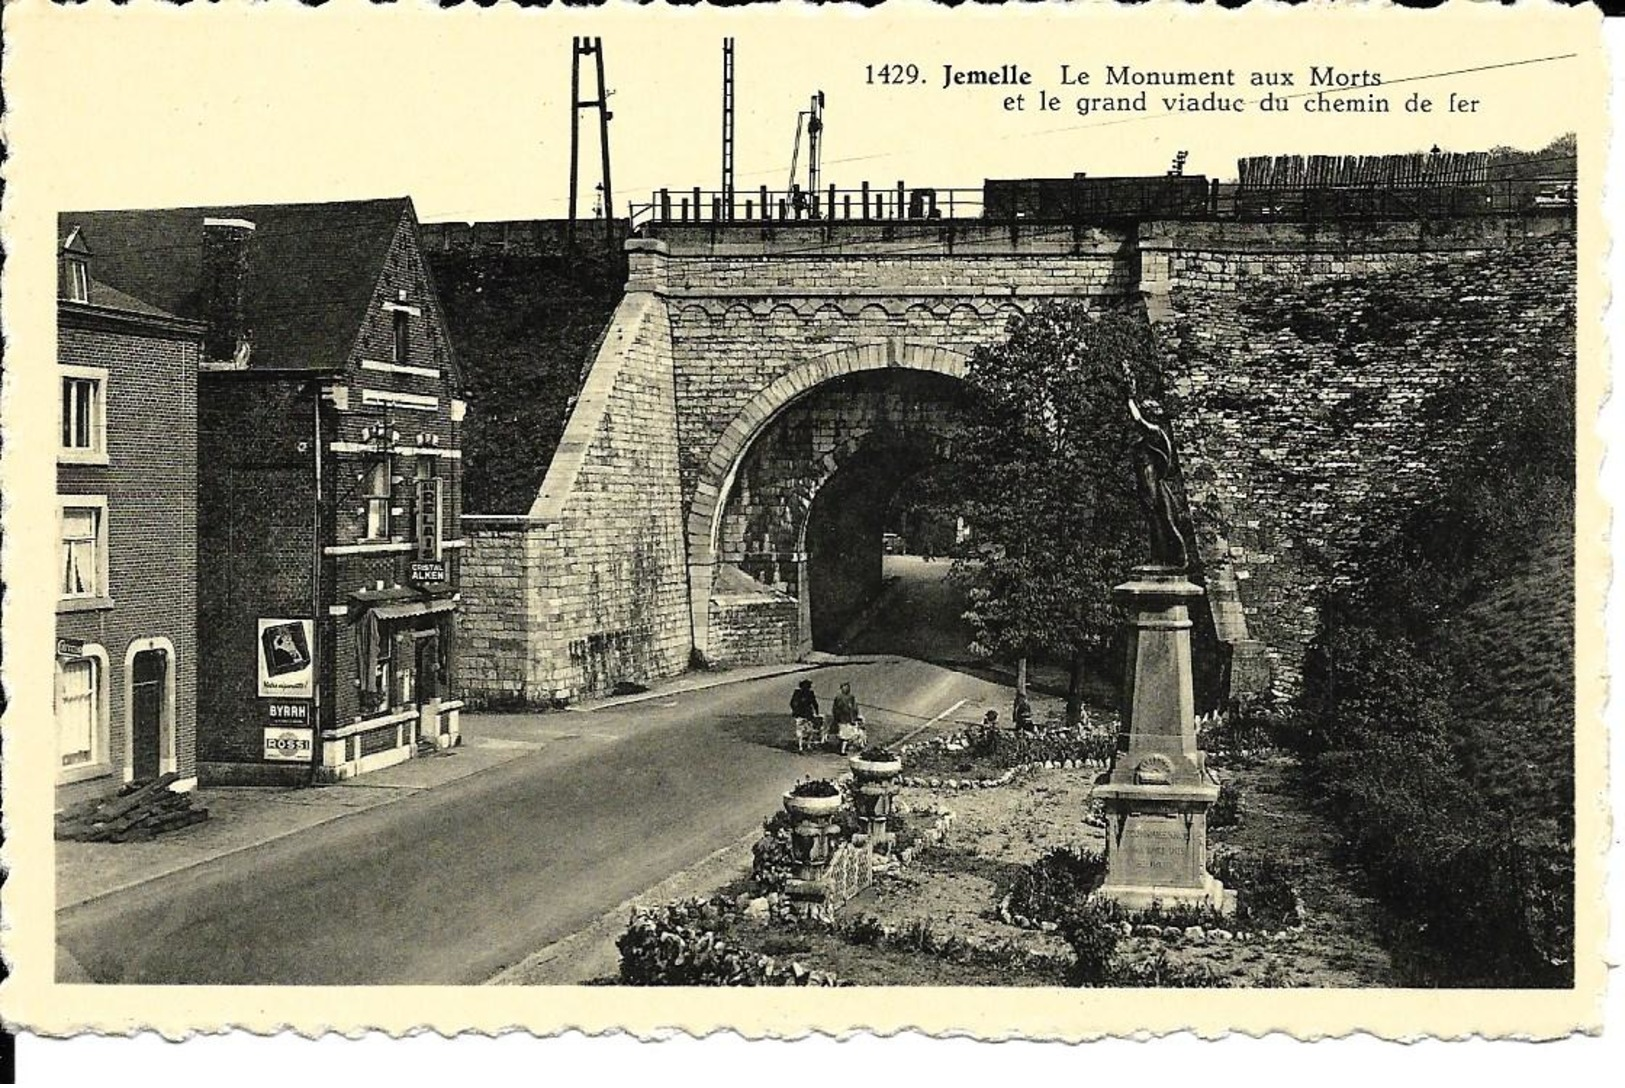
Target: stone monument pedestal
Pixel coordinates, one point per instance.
(1158, 791)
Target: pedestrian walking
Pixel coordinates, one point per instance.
(847, 720)
(808, 722)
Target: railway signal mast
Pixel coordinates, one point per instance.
(811, 120)
(727, 206)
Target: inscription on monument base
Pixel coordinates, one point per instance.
(1164, 848)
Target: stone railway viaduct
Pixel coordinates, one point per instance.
(763, 390)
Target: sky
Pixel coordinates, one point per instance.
(467, 111)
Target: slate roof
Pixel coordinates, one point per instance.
(110, 298)
(312, 268)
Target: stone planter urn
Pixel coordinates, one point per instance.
(810, 843)
(874, 776)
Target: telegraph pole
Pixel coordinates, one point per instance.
(593, 47)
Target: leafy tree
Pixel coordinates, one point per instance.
(1042, 477)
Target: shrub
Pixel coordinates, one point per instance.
(771, 864)
(991, 749)
(1179, 915)
(686, 944)
(1265, 896)
(1495, 910)
(816, 787)
(1393, 753)
(1056, 883)
(865, 930)
(1226, 811)
(1250, 727)
(1093, 930)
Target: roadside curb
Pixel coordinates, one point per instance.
(824, 661)
(384, 795)
(586, 949)
(208, 858)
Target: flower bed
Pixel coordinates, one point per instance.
(932, 921)
(983, 757)
(871, 932)
(1045, 895)
(686, 944)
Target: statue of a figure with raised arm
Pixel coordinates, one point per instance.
(1153, 463)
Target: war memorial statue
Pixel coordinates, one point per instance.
(1158, 791)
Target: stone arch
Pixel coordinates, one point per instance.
(830, 463)
(839, 520)
(716, 477)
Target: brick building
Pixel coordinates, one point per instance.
(127, 662)
(329, 436)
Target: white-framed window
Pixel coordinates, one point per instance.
(82, 555)
(379, 494)
(401, 345)
(76, 279)
(84, 415)
(81, 715)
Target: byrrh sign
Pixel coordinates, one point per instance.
(287, 737)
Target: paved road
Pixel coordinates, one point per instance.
(921, 614)
(453, 884)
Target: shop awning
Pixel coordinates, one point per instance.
(363, 601)
(401, 610)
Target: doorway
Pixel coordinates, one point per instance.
(426, 644)
(148, 685)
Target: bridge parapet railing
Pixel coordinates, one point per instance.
(764, 205)
(1111, 200)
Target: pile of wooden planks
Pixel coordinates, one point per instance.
(1419, 170)
(140, 810)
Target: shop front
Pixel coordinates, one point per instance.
(404, 640)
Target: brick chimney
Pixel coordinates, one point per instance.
(224, 288)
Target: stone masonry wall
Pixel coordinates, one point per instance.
(494, 646)
(1316, 386)
(754, 629)
(604, 587)
(1304, 355)
(788, 464)
(745, 313)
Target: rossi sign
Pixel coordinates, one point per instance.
(288, 745)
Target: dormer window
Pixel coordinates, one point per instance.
(74, 272)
